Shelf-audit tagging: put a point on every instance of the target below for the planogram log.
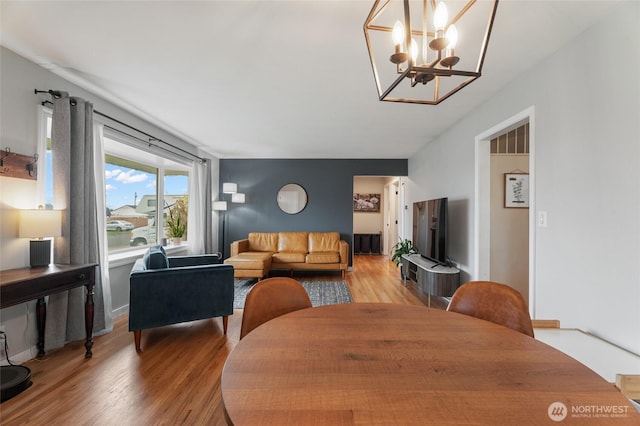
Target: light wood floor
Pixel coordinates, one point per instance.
(176, 379)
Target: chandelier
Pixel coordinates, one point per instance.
(429, 56)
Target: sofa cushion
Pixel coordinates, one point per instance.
(288, 257)
(293, 242)
(255, 260)
(155, 258)
(263, 241)
(324, 242)
(323, 257)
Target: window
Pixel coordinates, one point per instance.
(176, 201)
(131, 200)
(138, 185)
(45, 186)
(137, 182)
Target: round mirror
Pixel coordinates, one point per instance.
(292, 198)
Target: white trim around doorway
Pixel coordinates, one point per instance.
(481, 236)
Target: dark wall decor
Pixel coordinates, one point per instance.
(366, 203)
(329, 187)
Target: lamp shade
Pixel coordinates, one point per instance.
(219, 206)
(40, 223)
(229, 187)
(238, 197)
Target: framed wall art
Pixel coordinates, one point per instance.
(516, 190)
(366, 203)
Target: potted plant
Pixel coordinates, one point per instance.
(177, 220)
(400, 248)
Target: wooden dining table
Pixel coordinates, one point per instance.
(390, 364)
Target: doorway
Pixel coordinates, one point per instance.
(375, 224)
(494, 261)
(509, 228)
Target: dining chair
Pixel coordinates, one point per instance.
(493, 302)
(271, 298)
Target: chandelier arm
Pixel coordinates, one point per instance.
(373, 16)
(395, 83)
(424, 31)
(445, 72)
(458, 88)
(389, 30)
(487, 34)
(407, 29)
(373, 64)
(462, 11)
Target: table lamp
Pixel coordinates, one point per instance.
(38, 225)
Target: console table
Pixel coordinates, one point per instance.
(25, 284)
(431, 277)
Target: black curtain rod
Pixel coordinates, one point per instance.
(148, 143)
(56, 94)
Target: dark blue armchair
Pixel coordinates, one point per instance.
(170, 290)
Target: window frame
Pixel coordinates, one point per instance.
(129, 145)
(161, 163)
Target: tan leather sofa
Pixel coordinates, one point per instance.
(263, 251)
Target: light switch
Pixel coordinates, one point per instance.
(542, 219)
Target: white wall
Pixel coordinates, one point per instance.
(587, 104)
(19, 131)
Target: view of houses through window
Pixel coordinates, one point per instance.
(134, 196)
(139, 211)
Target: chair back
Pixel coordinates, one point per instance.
(493, 302)
(271, 298)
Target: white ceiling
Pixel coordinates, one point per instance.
(268, 79)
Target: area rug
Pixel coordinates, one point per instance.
(320, 292)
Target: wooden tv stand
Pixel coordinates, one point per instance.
(430, 277)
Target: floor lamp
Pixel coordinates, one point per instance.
(236, 197)
(221, 206)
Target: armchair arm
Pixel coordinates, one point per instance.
(204, 259)
(344, 253)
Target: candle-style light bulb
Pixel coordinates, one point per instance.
(441, 16)
(452, 37)
(414, 51)
(398, 35)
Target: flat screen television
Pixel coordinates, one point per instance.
(430, 231)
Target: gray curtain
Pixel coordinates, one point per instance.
(200, 238)
(208, 208)
(74, 192)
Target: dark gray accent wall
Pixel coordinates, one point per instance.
(329, 186)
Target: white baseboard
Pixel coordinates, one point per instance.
(22, 357)
(32, 352)
(123, 310)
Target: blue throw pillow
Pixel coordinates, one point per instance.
(155, 258)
